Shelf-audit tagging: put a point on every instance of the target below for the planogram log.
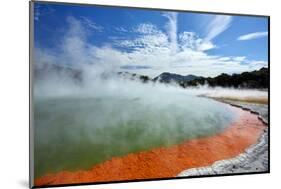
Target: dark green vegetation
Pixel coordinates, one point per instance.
(258, 79)
(255, 80)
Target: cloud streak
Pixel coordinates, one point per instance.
(218, 25)
(172, 29)
(89, 23)
(251, 36)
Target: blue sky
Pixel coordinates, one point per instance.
(149, 41)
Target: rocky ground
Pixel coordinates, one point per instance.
(254, 159)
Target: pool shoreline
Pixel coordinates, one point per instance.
(152, 165)
(245, 162)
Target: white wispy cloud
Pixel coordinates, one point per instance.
(239, 58)
(191, 40)
(219, 24)
(251, 36)
(121, 29)
(91, 24)
(147, 41)
(151, 53)
(172, 28)
(146, 28)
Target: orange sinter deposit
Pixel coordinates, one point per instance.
(169, 161)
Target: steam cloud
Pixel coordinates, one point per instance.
(97, 114)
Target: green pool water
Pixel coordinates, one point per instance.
(73, 133)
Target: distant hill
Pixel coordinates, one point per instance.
(167, 77)
(255, 79)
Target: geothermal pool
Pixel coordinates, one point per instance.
(79, 132)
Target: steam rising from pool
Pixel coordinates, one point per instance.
(80, 125)
(82, 120)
